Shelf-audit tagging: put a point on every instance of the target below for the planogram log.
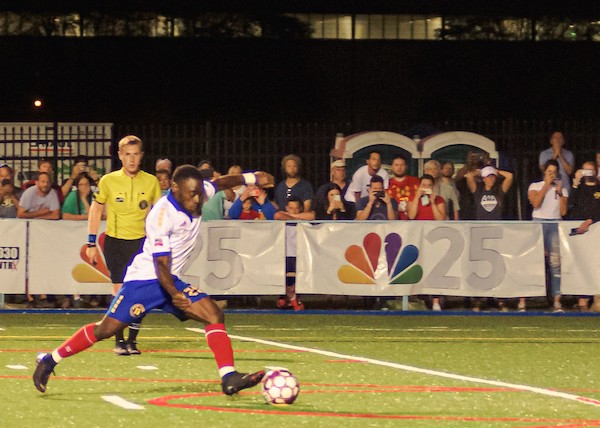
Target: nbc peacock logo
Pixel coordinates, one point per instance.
(364, 261)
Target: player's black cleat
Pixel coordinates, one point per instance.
(45, 367)
(132, 348)
(235, 382)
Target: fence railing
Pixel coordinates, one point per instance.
(262, 145)
(23, 144)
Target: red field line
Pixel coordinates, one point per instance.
(165, 402)
(172, 351)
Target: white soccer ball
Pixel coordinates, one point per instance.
(280, 387)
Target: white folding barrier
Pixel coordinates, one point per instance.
(499, 259)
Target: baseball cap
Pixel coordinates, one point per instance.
(340, 163)
(487, 171)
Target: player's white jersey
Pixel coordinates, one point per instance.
(170, 230)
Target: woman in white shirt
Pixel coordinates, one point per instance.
(549, 200)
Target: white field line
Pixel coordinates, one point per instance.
(118, 401)
(16, 367)
(536, 390)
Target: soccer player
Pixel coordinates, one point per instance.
(152, 280)
(128, 194)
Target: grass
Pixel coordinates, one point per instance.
(553, 353)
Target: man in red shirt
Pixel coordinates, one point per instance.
(402, 186)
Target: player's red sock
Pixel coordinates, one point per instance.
(219, 342)
(80, 341)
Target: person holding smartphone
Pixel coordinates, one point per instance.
(330, 205)
(583, 205)
(426, 205)
(378, 205)
(256, 201)
(549, 201)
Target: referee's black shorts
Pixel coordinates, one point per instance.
(118, 254)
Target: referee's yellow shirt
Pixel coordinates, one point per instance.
(128, 200)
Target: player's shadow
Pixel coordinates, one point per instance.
(184, 388)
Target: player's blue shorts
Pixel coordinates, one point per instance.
(137, 298)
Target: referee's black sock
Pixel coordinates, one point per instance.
(134, 329)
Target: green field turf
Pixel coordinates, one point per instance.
(551, 353)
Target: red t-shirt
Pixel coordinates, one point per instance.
(403, 191)
(250, 215)
(426, 212)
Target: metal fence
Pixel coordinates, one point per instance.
(262, 145)
(22, 145)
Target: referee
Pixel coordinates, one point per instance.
(127, 195)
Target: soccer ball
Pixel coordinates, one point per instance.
(280, 387)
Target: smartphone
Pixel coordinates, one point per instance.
(380, 194)
(573, 232)
(428, 191)
(337, 198)
(587, 173)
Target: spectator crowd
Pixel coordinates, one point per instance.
(476, 191)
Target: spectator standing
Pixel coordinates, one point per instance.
(293, 210)
(473, 162)
(402, 187)
(449, 192)
(489, 192)
(549, 201)
(9, 194)
(77, 207)
(294, 186)
(432, 168)
(427, 205)
(488, 195)
(585, 205)
(378, 205)
(337, 177)
(565, 159)
(127, 194)
(361, 180)
(39, 202)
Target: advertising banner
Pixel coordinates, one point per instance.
(13, 255)
(57, 260)
(239, 257)
(580, 265)
(424, 257)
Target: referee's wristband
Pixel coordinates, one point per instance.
(249, 178)
(92, 239)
